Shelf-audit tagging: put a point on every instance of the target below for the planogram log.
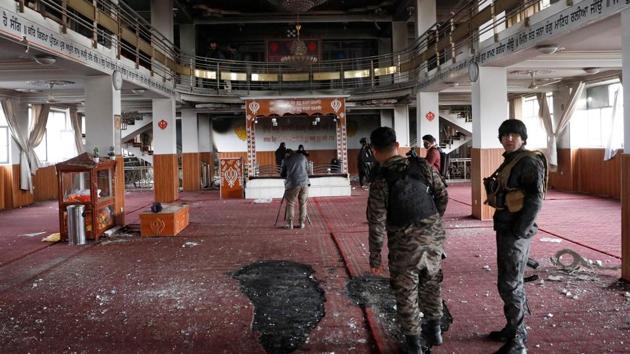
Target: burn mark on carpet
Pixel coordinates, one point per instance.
(288, 302)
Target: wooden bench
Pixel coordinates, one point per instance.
(168, 222)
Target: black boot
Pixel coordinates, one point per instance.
(500, 336)
(432, 332)
(514, 345)
(413, 344)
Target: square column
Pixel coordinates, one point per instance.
(428, 116)
(401, 124)
(489, 109)
(102, 131)
(625, 160)
(191, 164)
(387, 118)
(165, 168)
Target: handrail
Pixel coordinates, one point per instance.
(120, 27)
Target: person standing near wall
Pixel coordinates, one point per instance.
(433, 153)
(407, 200)
(281, 151)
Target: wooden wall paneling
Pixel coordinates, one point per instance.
(596, 176)
(119, 192)
(45, 184)
(625, 216)
(484, 163)
(191, 166)
(165, 178)
(20, 198)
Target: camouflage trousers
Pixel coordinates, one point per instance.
(512, 254)
(416, 279)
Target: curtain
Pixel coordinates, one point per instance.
(561, 124)
(75, 119)
(545, 115)
(39, 119)
(18, 126)
(613, 144)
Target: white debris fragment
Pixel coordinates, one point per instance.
(555, 278)
(262, 201)
(549, 315)
(190, 244)
(550, 239)
(627, 294)
(599, 263)
(486, 267)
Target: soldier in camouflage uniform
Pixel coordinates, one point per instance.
(514, 231)
(415, 250)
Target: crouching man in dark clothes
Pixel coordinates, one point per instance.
(407, 200)
(516, 190)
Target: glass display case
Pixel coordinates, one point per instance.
(83, 181)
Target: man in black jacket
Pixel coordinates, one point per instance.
(517, 205)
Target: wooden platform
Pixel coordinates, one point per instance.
(168, 222)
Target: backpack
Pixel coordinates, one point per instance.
(499, 196)
(410, 196)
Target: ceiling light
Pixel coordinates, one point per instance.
(591, 70)
(44, 59)
(548, 48)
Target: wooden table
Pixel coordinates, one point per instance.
(168, 222)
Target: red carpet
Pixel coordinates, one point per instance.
(159, 295)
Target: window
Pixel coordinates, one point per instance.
(536, 133)
(58, 142)
(593, 124)
(5, 139)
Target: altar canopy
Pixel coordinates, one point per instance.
(270, 107)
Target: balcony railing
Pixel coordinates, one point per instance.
(118, 27)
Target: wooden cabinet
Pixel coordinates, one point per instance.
(168, 222)
(85, 182)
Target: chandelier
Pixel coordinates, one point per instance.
(299, 57)
(299, 6)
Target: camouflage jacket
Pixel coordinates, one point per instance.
(400, 238)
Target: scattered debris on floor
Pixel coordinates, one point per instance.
(577, 261)
(189, 244)
(550, 239)
(375, 292)
(55, 237)
(288, 302)
(121, 234)
(33, 234)
(486, 268)
(262, 201)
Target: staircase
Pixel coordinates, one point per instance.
(137, 127)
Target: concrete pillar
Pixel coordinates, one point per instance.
(187, 38)
(516, 108)
(102, 103)
(190, 151)
(426, 15)
(400, 41)
(162, 18)
(428, 116)
(625, 164)
(165, 169)
(427, 103)
(102, 131)
(489, 109)
(387, 118)
(401, 124)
